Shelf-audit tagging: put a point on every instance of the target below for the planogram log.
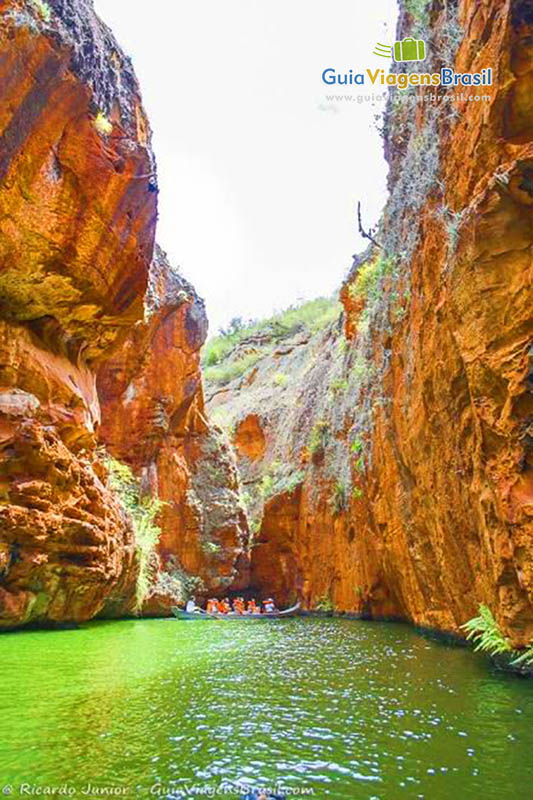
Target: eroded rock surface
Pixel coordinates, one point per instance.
(396, 479)
(77, 216)
(154, 420)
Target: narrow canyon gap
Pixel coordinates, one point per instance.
(403, 428)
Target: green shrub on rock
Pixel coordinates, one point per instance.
(143, 511)
(484, 631)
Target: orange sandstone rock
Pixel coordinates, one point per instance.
(154, 420)
(250, 438)
(420, 504)
(77, 215)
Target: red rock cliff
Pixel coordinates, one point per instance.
(289, 416)
(447, 451)
(398, 461)
(77, 219)
(154, 420)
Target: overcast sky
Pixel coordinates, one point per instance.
(259, 173)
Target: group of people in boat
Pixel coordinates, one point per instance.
(239, 606)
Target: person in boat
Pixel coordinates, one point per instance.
(224, 606)
(191, 606)
(212, 606)
(238, 605)
(269, 606)
(253, 608)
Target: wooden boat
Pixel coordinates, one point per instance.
(179, 613)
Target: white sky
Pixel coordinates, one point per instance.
(259, 174)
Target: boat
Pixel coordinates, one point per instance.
(179, 613)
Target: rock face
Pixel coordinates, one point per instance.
(450, 461)
(289, 417)
(82, 294)
(447, 468)
(386, 459)
(154, 420)
(77, 218)
(414, 432)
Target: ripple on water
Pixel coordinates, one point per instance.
(348, 709)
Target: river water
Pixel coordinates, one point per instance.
(327, 707)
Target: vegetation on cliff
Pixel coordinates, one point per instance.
(143, 511)
(238, 347)
(286, 419)
(485, 632)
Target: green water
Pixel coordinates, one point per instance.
(343, 709)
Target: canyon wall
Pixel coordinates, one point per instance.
(154, 420)
(290, 418)
(391, 466)
(382, 462)
(77, 215)
(81, 295)
(447, 450)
